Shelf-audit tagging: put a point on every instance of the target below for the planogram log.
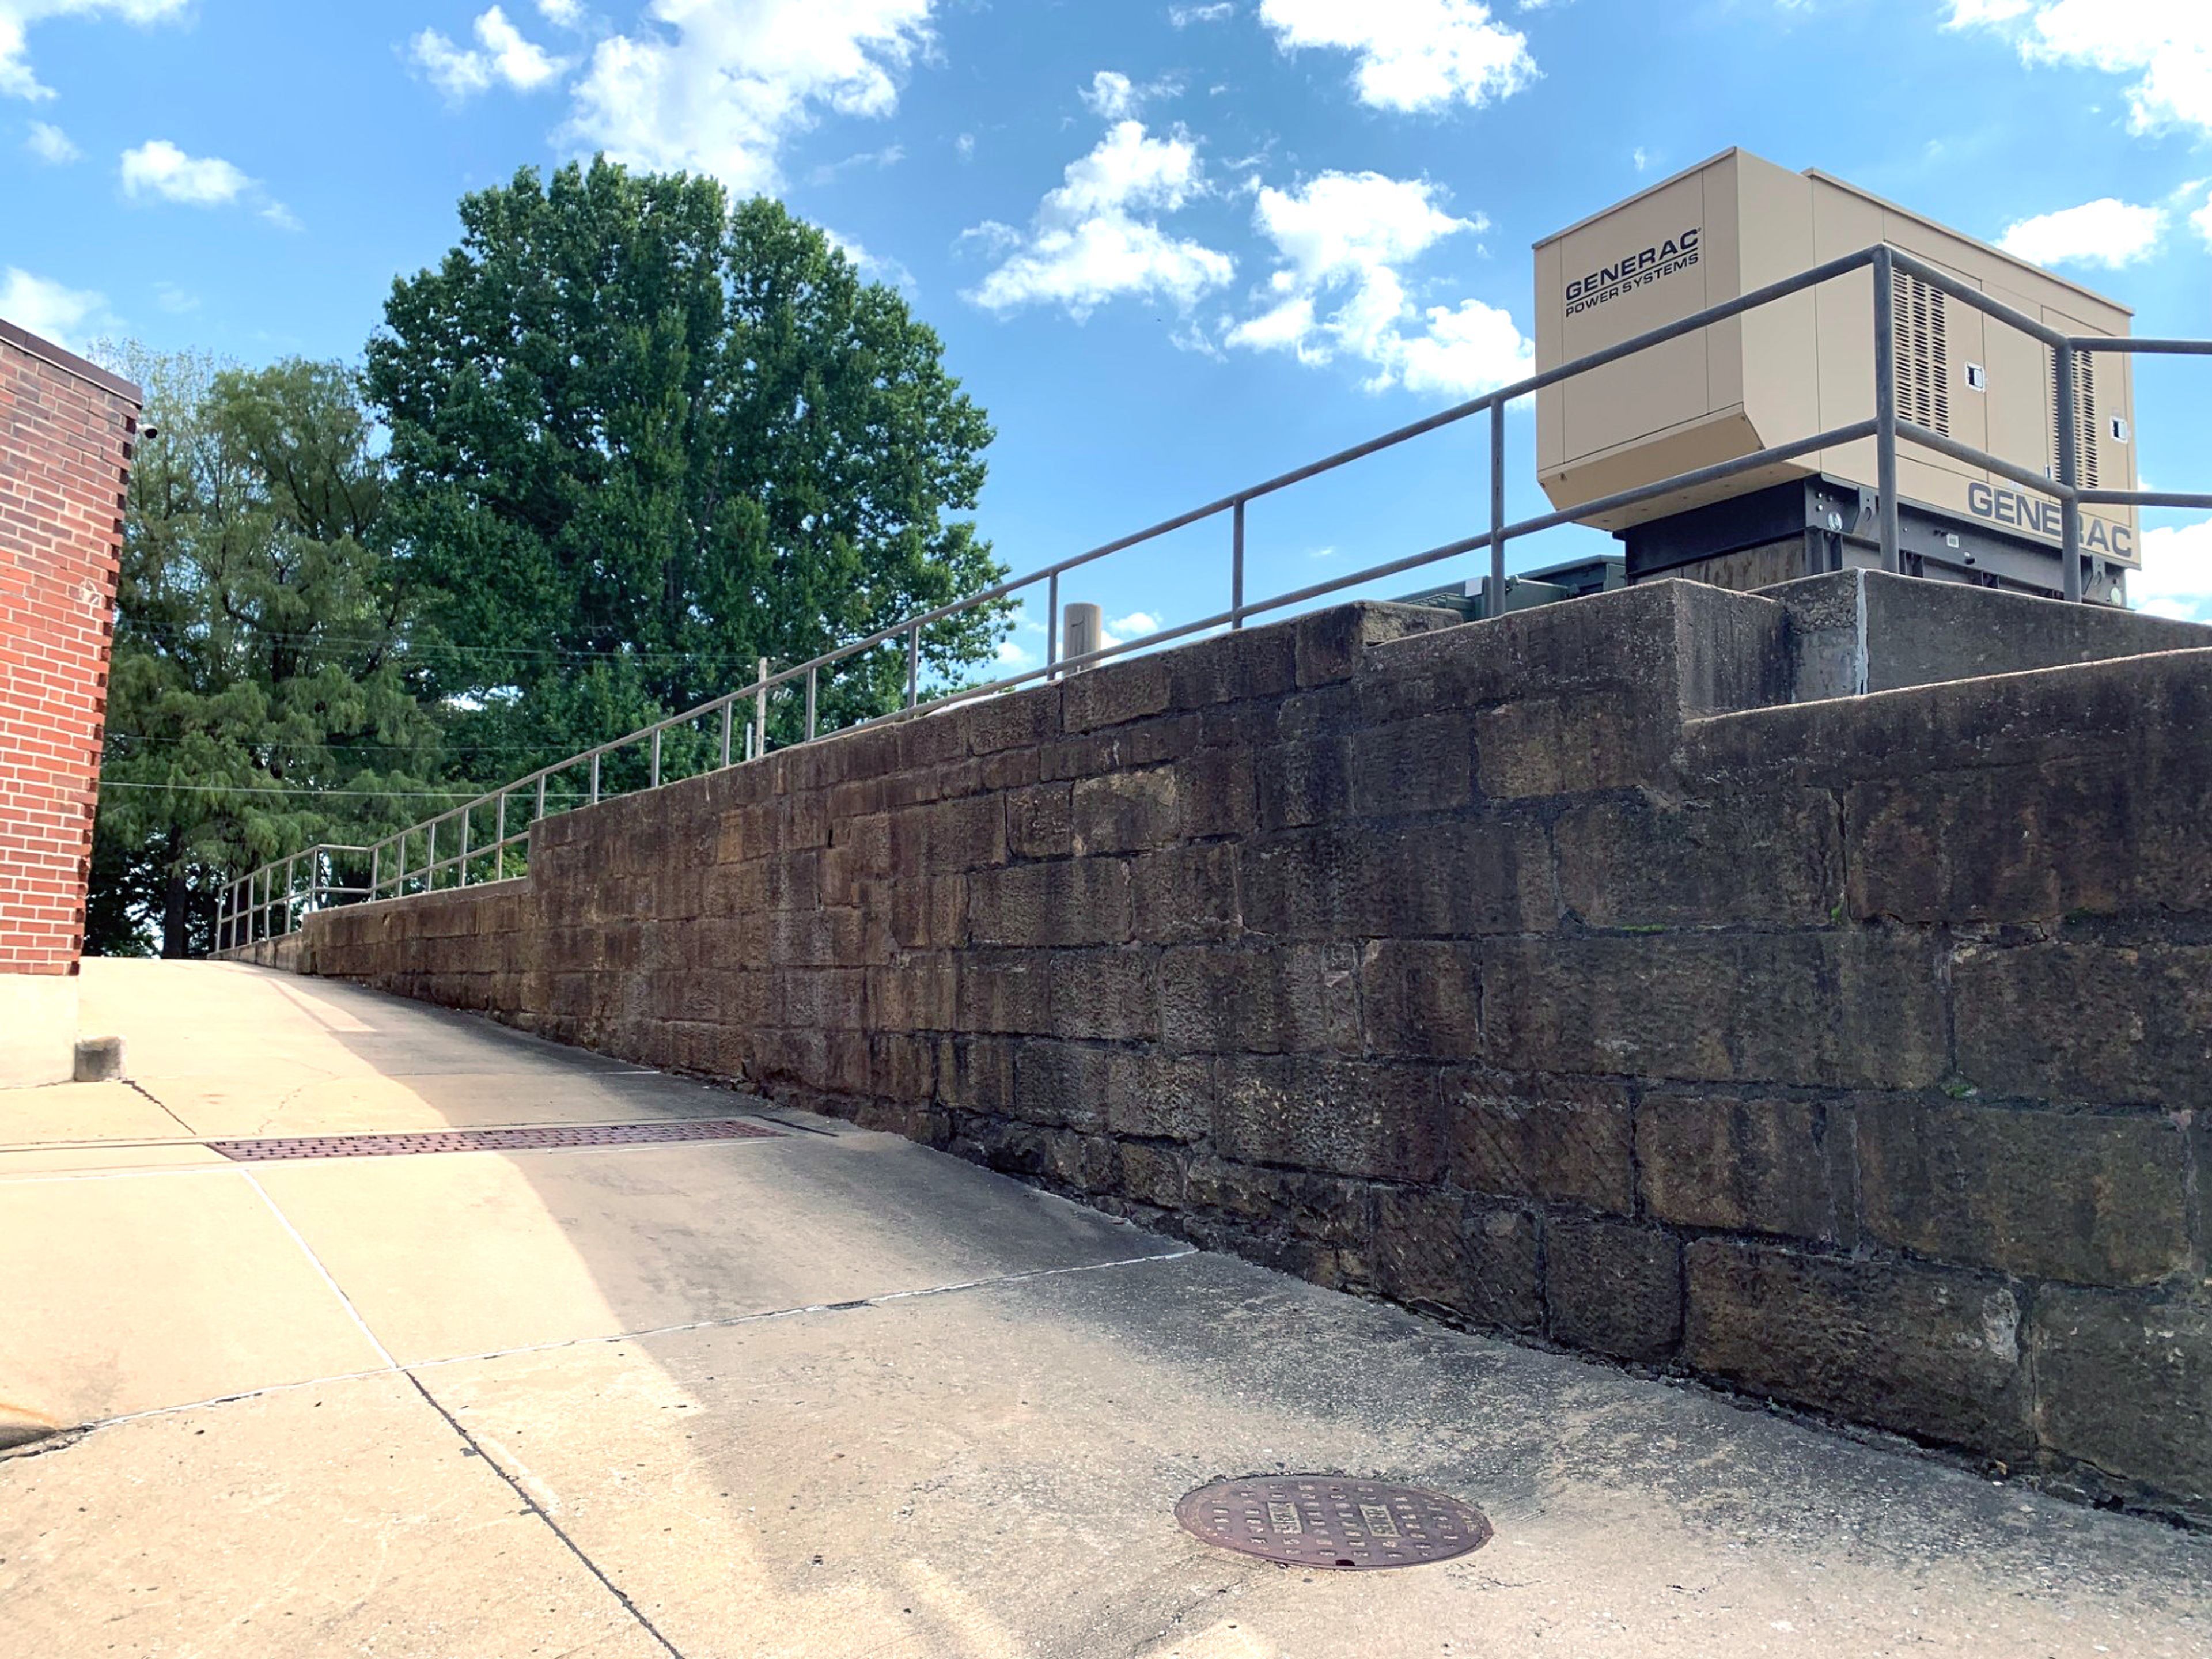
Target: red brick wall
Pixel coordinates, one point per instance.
(66, 431)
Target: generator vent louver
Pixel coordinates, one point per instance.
(1923, 354)
(2086, 432)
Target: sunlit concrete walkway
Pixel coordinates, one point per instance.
(828, 1394)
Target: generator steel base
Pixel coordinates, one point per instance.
(1810, 526)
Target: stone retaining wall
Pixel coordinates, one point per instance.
(1554, 975)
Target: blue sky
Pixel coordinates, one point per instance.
(1173, 246)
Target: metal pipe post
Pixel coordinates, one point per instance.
(499, 829)
(595, 777)
(468, 817)
(913, 665)
(1885, 408)
(729, 718)
(1052, 629)
(1237, 571)
(430, 859)
(656, 758)
(541, 797)
(760, 713)
(1497, 605)
(2069, 465)
(813, 676)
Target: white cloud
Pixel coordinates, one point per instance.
(874, 267)
(720, 85)
(50, 144)
(2203, 219)
(1134, 626)
(1016, 657)
(2175, 578)
(1342, 239)
(2165, 44)
(1412, 54)
(562, 14)
(173, 300)
(1183, 17)
(158, 168)
(1112, 96)
(501, 58)
(2106, 231)
(1094, 238)
(964, 146)
(17, 17)
(50, 310)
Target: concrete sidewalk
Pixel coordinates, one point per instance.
(828, 1394)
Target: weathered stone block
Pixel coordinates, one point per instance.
(1251, 662)
(949, 836)
(1285, 1000)
(929, 913)
(1061, 1158)
(1613, 1287)
(1756, 1166)
(1856, 1009)
(1065, 902)
(976, 1074)
(1061, 1084)
(2082, 836)
(1320, 1208)
(1341, 1117)
(1154, 1176)
(1158, 1096)
(1013, 719)
(901, 1068)
(1112, 994)
(1114, 693)
(1926, 1352)
(1185, 894)
(1425, 765)
(1215, 790)
(1331, 644)
(1640, 861)
(1420, 1248)
(1126, 812)
(1422, 998)
(1006, 991)
(1562, 1138)
(1446, 879)
(2029, 1024)
(1305, 782)
(1567, 746)
(2124, 1384)
(2097, 1201)
(1504, 1254)
(1040, 821)
(919, 991)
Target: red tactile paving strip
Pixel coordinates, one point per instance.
(490, 1140)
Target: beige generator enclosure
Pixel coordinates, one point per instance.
(1804, 364)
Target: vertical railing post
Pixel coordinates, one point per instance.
(913, 664)
(430, 859)
(1496, 607)
(2070, 468)
(595, 777)
(1236, 570)
(1052, 629)
(729, 717)
(813, 689)
(1884, 410)
(468, 825)
(541, 798)
(760, 712)
(499, 830)
(656, 758)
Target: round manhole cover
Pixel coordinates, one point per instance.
(1327, 1521)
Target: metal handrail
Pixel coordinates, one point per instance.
(1887, 428)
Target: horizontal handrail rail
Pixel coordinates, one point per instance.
(241, 908)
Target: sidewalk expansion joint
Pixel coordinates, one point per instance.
(531, 1505)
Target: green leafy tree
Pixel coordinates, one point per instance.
(639, 441)
(262, 698)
